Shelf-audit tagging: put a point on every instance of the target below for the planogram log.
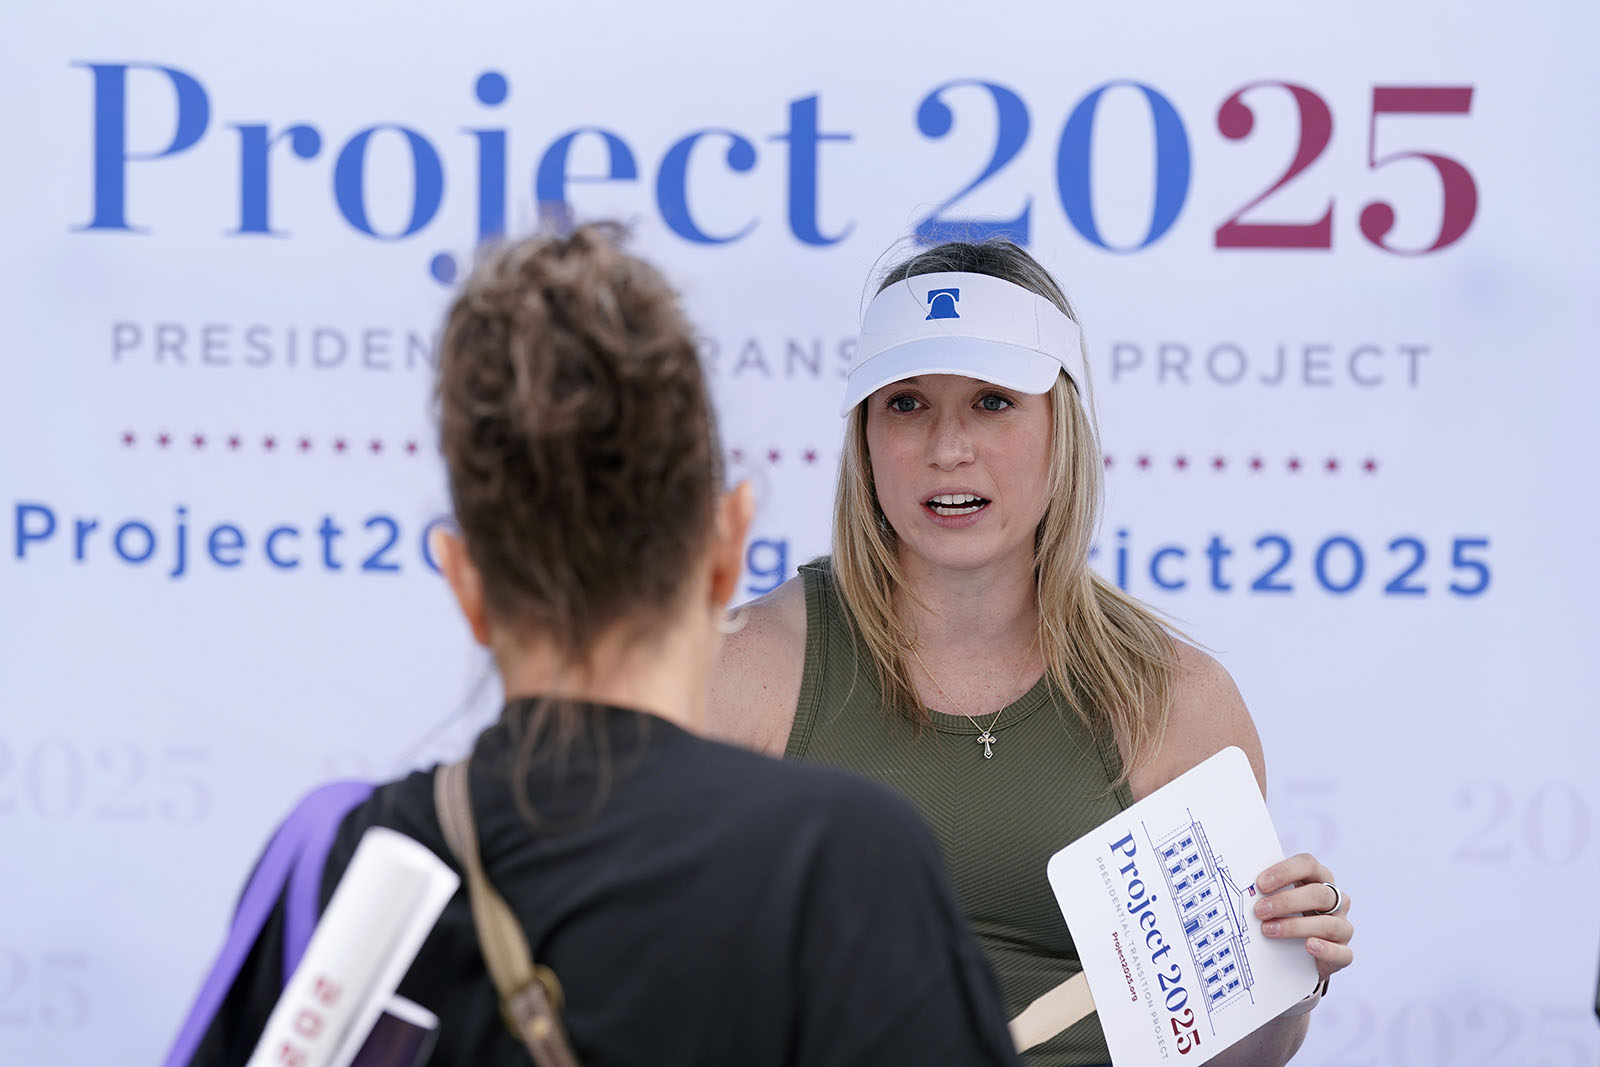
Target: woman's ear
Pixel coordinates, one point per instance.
(735, 511)
(451, 552)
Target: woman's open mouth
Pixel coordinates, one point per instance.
(955, 505)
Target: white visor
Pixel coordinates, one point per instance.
(975, 325)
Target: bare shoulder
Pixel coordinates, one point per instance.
(755, 683)
(1207, 716)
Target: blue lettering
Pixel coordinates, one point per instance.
(803, 138)
(491, 90)
(329, 533)
(778, 568)
(376, 562)
(149, 541)
(183, 542)
(1358, 564)
(226, 537)
(255, 145)
(1155, 566)
(349, 181)
(672, 185)
(1171, 159)
(443, 522)
(1216, 552)
(272, 550)
(82, 528)
(111, 155)
(936, 119)
(551, 181)
(24, 534)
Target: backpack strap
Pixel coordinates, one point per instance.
(530, 994)
(303, 905)
(299, 846)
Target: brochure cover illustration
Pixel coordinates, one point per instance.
(1160, 901)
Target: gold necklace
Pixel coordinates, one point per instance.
(986, 738)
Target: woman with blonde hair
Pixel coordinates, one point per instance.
(958, 646)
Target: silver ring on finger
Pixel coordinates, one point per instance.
(1338, 901)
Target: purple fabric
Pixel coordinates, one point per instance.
(302, 906)
(312, 823)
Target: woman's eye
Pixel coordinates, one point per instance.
(903, 404)
(994, 402)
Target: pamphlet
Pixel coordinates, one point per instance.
(1161, 904)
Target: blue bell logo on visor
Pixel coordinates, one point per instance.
(942, 304)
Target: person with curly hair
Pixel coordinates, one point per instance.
(699, 904)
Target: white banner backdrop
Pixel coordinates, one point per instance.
(1335, 267)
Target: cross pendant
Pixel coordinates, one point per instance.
(986, 739)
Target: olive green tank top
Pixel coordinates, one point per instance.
(998, 821)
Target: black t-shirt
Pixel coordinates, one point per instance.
(699, 903)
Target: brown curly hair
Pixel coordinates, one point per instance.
(578, 435)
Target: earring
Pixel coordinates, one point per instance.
(732, 624)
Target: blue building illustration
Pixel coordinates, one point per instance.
(1212, 910)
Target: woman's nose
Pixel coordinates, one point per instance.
(952, 443)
